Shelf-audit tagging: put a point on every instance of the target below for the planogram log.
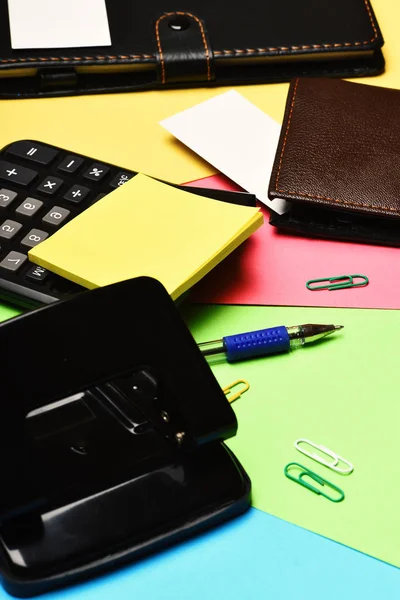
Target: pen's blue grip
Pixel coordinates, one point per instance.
(256, 343)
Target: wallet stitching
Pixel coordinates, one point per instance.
(203, 37)
(216, 52)
(317, 196)
(76, 58)
(290, 48)
(289, 121)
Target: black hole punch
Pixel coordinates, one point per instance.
(179, 23)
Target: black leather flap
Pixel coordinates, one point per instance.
(184, 52)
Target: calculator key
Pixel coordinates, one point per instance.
(77, 193)
(15, 173)
(29, 207)
(13, 261)
(38, 274)
(56, 215)
(33, 151)
(9, 229)
(34, 237)
(121, 178)
(70, 164)
(50, 185)
(96, 172)
(6, 197)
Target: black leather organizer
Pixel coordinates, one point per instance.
(160, 44)
(111, 434)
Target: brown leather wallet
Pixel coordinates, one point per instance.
(338, 161)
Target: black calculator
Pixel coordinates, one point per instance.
(42, 187)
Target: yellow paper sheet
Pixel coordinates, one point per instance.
(123, 128)
(147, 228)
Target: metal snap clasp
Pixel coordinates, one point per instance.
(179, 23)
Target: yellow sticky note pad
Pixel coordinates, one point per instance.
(147, 228)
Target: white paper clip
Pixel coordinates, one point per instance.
(331, 465)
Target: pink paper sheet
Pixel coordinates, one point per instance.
(272, 268)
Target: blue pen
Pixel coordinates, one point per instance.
(266, 341)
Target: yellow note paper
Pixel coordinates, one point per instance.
(147, 228)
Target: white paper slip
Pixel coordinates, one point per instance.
(58, 23)
(234, 136)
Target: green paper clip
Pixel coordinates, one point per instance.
(344, 281)
(307, 473)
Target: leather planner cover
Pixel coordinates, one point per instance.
(162, 44)
(338, 161)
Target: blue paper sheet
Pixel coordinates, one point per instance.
(256, 556)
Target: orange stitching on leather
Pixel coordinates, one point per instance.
(316, 196)
(369, 11)
(203, 36)
(76, 58)
(287, 48)
(160, 48)
(216, 52)
(278, 173)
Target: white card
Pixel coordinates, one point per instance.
(234, 136)
(58, 23)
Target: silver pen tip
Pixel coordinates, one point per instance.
(338, 326)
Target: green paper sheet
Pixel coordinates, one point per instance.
(7, 312)
(342, 393)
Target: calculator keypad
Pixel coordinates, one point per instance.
(41, 188)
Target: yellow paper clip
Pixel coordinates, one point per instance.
(228, 389)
